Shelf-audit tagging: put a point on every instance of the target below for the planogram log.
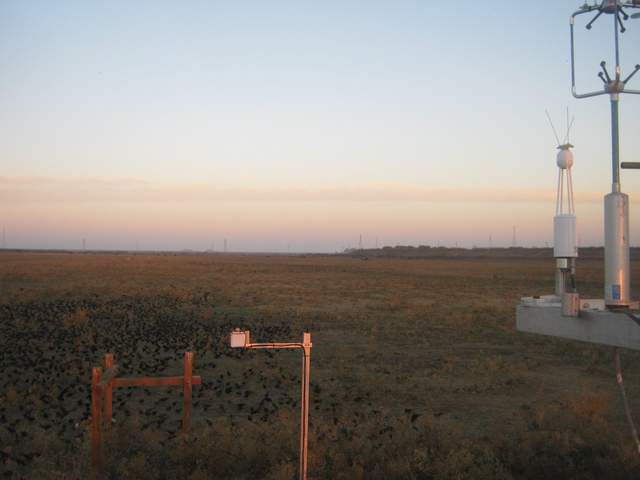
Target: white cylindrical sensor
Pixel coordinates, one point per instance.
(616, 249)
(564, 236)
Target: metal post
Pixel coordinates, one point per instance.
(96, 420)
(187, 388)
(615, 143)
(616, 221)
(617, 41)
(108, 392)
(304, 409)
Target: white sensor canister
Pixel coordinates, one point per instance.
(564, 236)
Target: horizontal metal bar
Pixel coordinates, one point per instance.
(154, 381)
(278, 346)
(631, 165)
(583, 10)
(587, 95)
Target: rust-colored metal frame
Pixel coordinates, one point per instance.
(102, 385)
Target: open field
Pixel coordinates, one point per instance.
(417, 370)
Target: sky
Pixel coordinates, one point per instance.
(299, 126)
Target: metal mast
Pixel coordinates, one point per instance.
(616, 204)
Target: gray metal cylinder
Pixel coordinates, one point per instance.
(616, 249)
(562, 275)
(570, 304)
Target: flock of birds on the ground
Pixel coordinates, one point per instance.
(47, 361)
(48, 350)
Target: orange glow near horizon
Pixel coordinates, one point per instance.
(117, 214)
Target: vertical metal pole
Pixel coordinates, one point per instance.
(302, 415)
(96, 420)
(307, 358)
(573, 63)
(617, 41)
(187, 387)
(304, 409)
(615, 143)
(616, 215)
(108, 392)
(616, 222)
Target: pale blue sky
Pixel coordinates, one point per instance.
(298, 96)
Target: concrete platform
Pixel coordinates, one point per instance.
(593, 325)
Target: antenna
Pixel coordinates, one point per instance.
(552, 127)
(569, 125)
(555, 133)
(360, 243)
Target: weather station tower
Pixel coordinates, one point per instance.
(611, 320)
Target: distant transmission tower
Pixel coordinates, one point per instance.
(360, 243)
(225, 245)
(490, 241)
